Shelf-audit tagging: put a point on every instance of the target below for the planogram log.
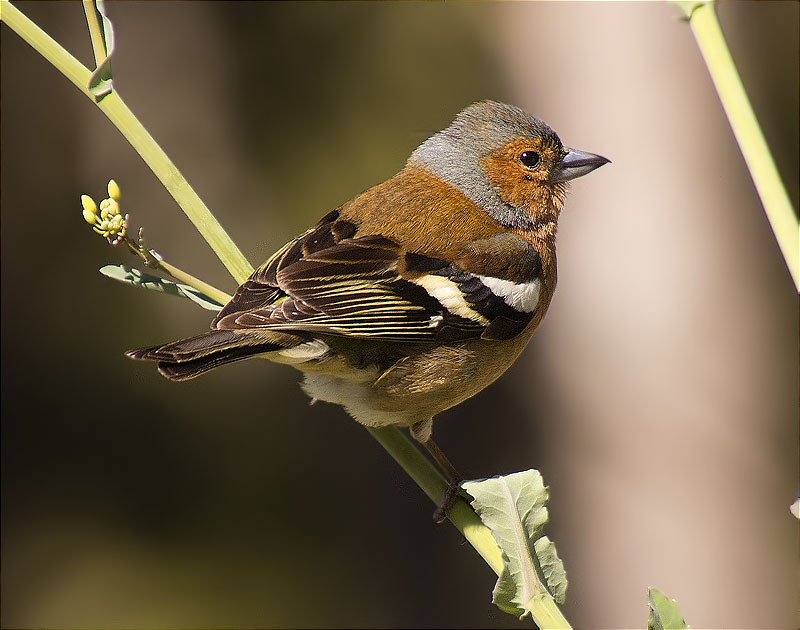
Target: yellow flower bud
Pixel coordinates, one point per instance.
(89, 209)
(88, 203)
(89, 216)
(113, 190)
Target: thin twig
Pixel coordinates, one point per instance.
(95, 32)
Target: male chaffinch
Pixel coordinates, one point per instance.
(419, 292)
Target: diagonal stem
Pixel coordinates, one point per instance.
(703, 19)
(139, 138)
(430, 480)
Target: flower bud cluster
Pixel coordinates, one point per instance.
(109, 222)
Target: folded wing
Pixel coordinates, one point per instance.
(331, 281)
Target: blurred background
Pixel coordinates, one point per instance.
(658, 398)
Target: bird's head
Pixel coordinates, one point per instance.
(507, 162)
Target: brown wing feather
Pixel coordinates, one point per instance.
(326, 281)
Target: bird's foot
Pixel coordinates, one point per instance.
(449, 498)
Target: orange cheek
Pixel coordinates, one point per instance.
(515, 184)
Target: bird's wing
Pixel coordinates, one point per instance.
(327, 281)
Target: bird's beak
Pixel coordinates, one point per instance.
(576, 164)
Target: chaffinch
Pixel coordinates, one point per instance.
(417, 293)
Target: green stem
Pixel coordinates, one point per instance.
(144, 144)
(186, 278)
(423, 472)
(703, 19)
(154, 260)
(198, 213)
(544, 610)
(546, 614)
(95, 34)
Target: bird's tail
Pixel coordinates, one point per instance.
(188, 358)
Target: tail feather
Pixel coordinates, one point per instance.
(188, 358)
(191, 368)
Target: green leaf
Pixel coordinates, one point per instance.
(513, 508)
(138, 278)
(664, 612)
(552, 567)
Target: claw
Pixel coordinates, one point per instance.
(449, 498)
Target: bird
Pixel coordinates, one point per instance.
(417, 293)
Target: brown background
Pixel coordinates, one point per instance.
(658, 398)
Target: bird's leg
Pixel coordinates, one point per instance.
(421, 431)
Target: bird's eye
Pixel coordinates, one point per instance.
(529, 159)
